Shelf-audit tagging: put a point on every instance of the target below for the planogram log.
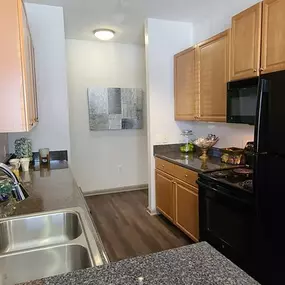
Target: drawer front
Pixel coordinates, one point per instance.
(186, 175)
(164, 165)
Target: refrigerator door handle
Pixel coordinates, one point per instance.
(259, 112)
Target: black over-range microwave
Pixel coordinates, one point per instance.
(242, 99)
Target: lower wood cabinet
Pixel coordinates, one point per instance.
(177, 200)
(187, 216)
(164, 194)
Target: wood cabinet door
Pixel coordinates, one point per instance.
(273, 36)
(27, 75)
(246, 43)
(184, 85)
(35, 92)
(187, 214)
(164, 194)
(213, 62)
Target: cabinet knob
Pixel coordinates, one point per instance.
(186, 175)
(261, 69)
(162, 165)
(255, 70)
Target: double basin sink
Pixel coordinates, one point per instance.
(47, 244)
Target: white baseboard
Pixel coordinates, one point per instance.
(116, 190)
(152, 212)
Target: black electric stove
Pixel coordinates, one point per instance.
(240, 178)
(226, 213)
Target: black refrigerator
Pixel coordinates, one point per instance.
(269, 179)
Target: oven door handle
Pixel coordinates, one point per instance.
(220, 191)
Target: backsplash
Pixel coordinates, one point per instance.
(3, 146)
(230, 134)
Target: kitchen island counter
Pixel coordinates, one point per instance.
(194, 264)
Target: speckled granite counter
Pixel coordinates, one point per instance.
(195, 264)
(50, 189)
(191, 161)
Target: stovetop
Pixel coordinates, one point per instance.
(240, 177)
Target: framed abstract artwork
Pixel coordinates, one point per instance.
(115, 108)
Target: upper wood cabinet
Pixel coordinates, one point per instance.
(18, 97)
(245, 43)
(184, 85)
(273, 36)
(213, 66)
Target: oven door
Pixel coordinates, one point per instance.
(242, 101)
(227, 223)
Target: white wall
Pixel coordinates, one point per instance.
(163, 40)
(47, 28)
(104, 159)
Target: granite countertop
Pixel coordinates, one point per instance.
(50, 188)
(194, 264)
(193, 162)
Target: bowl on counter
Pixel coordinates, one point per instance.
(205, 144)
(232, 155)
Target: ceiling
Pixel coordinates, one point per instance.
(126, 17)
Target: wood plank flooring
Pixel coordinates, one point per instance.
(127, 230)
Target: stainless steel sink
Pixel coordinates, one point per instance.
(42, 263)
(46, 244)
(37, 231)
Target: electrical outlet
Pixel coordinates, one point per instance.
(165, 139)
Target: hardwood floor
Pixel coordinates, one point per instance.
(127, 230)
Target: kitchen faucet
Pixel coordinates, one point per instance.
(19, 191)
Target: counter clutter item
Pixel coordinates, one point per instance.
(25, 163)
(194, 264)
(23, 148)
(44, 155)
(205, 144)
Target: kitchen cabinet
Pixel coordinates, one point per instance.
(187, 217)
(18, 96)
(164, 194)
(245, 43)
(177, 196)
(213, 62)
(184, 85)
(273, 36)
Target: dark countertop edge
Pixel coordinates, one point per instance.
(7, 158)
(164, 157)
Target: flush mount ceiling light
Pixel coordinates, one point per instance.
(104, 34)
